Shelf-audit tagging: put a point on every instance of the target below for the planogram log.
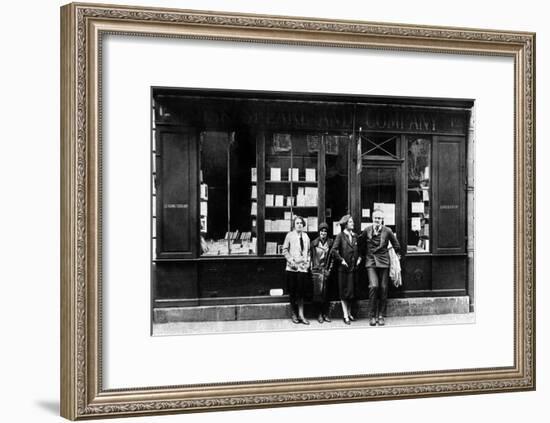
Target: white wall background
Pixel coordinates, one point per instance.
(29, 363)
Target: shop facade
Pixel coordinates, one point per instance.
(231, 169)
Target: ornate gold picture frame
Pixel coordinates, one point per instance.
(82, 28)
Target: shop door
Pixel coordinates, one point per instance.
(380, 189)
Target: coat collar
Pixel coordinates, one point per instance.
(317, 241)
(346, 237)
(371, 229)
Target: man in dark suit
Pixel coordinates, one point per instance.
(373, 243)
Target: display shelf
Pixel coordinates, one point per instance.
(291, 207)
(293, 182)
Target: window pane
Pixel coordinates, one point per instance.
(336, 198)
(378, 191)
(379, 145)
(419, 194)
(305, 185)
(242, 159)
(213, 193)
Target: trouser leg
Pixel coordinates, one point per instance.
(373, 301)
(325, 308)
(345, 310)
(383, 293)
(373, 291)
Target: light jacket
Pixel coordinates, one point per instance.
(297, 260)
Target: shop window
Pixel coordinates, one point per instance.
(419, 194)
(227, 221)
(291, 186)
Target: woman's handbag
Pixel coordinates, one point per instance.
(320, 278)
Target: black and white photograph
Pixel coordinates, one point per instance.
(278, 211)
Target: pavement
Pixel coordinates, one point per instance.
(267, 325)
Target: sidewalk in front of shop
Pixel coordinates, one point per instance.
(267, 325)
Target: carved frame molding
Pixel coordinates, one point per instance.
(83, 25)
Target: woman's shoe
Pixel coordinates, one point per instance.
(320, 318)
(294, 319)
(346, 320)
(372, 321)
(326, 319)
(352, 318)
(381, 321)
(304, 320)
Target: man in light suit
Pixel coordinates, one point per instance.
(373, 243)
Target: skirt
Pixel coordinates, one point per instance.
(346, 285)
(296, 285)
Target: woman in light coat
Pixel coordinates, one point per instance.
(296, 251)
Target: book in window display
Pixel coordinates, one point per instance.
(204, 192)
(275, 174)
(312, 224)
(290, 201)
(310, 175)
(294, 174)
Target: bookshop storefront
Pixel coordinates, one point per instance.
(231, 168)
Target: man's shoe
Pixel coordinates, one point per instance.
(381, 321)
(320, 318)
(372, 321)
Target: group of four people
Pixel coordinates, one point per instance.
(311, 262)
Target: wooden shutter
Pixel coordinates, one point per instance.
(177, 186)
(449, 195)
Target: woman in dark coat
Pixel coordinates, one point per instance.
(321, 263)
(346, 255)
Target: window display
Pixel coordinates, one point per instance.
(418, 194)
(228, 207)
(291, 186)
